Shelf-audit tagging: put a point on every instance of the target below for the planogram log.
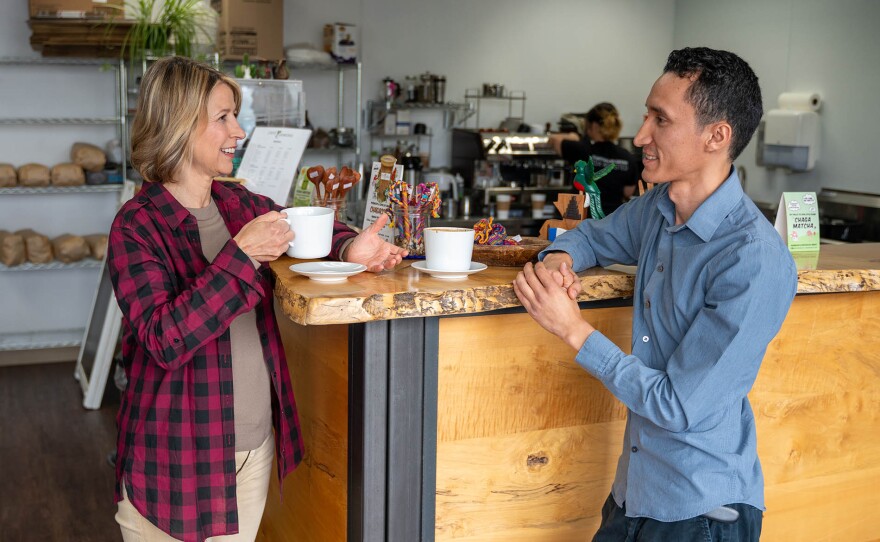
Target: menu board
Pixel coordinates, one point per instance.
(797, 221)
(269, 165)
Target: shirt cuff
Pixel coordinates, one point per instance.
(343, 247)
(597, 354)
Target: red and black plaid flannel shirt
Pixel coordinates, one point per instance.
(176, 446)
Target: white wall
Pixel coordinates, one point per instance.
(826, 46)
(566, 55)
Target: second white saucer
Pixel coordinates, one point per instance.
(476, 267)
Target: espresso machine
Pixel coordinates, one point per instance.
(515, 164)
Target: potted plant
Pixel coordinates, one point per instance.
(168, 27)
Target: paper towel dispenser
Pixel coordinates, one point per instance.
(789, 139)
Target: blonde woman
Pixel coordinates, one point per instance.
(209, 402)
(602, 130)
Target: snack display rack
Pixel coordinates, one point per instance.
(36, 315)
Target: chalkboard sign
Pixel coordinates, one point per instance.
(102, 333)
(99, 343)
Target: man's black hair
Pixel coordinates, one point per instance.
(724, 88)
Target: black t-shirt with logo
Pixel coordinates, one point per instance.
(625, 173)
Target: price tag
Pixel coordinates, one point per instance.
(797, 221)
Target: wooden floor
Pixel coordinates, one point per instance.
(55, 482)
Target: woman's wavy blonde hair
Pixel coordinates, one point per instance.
(606, 116)
(172, 104)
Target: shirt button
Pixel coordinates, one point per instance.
(645, 339)
(660, 268)
(635, 449)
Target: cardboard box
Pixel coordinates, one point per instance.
(252, 27)
(404, 123)
(75, 8)
(340, 40)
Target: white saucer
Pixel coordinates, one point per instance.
(476, 267)
(328, 271)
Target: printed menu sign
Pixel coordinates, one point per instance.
(797, 221)
(377, 199)
(269, 163)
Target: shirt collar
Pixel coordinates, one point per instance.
(173, 212)
(709, 215)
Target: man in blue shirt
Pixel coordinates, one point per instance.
(713, 286)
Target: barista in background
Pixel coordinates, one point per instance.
(602, 130)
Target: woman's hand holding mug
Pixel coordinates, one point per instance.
(266, 237)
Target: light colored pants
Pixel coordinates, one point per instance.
(252, 486)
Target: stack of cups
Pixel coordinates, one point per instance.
(538, 201)
(502, 206)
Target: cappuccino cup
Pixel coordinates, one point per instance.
(449, 249)
(312, 229)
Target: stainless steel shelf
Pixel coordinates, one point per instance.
(514, 95)
(329, 150)
(474, 98)
(62, 61)
(34, 340)
(60, 121)
(846, 197)
(88, 263)
(423, 105)
(306, 66)
(401, 136)
(40, 190)
(454, 114)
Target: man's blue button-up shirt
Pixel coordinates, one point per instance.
(710, 294)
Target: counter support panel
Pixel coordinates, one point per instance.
(392, 430)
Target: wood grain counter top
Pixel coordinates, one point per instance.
(406, 293)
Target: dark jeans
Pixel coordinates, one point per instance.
(616, 527)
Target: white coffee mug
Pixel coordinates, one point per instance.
(449, 249)
(312, 229)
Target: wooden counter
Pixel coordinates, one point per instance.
(436, 410)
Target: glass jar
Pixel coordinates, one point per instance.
(409, 228)
(337, 204)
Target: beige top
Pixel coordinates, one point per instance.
(251, 395)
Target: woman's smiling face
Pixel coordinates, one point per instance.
(214, 142)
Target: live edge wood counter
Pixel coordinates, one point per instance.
(436, 410)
